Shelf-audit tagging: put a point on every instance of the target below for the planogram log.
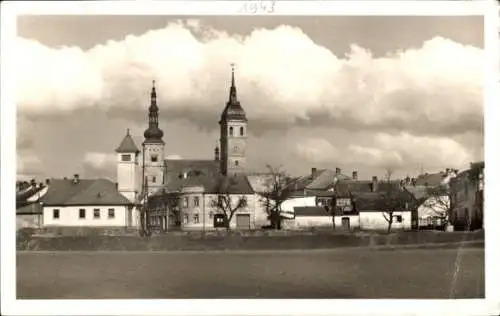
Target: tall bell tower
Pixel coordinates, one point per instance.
(153, 149)
(233, 134)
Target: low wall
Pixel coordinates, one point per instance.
(223, 240)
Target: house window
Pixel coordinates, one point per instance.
(196, 218)
(154, 158)
(186, 202)
(230, 131)
(171, 218)
(55, 214)
(81, 213)
(236, 162)
(97, 213)
(153, 179)
(398, 218)
(126, 157)
(242, 131)
(196, 201)
(111, 213)
(244, 202)
(211, 215)
(186, 219)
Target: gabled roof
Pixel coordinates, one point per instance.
(23, 196)
(345, 187)
(127, 145)
(234, 184)
(301, 211)
(65, 192)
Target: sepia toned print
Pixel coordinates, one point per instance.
(250, 157)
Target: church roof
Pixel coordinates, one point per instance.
(127, 145)
(67, 192)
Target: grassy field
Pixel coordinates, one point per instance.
(340, 273)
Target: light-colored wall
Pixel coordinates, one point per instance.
(375, 221)
(302, 222)
(69, 216)
(205, 210)
(126, 175)
(287, 207)
(353, 221)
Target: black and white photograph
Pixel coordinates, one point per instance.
(252, 155)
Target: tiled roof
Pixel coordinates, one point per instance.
(127, 145)
(235, 184)
(301, 211)
(419, 192)
(344, 187)
(322, 180)
(23, 196)
(376, 201)
(65, 192)
(176, 168)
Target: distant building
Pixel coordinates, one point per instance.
(28, 209)
(467, 198)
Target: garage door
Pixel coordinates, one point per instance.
(243, 221)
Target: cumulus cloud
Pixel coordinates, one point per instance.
(29, 166)
(284, 79)
(96, 164)
(395, 151)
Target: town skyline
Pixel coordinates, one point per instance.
(364, 108)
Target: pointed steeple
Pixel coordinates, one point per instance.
(153, 133)
(233, 98)
(127, 145)
(217, 152)
(233, 109)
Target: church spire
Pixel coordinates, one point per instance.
(233, 99)
(153, 133)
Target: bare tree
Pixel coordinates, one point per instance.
(275, 194)
(391, 201)
(438, 201)
(227, 203)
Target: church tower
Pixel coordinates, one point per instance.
(233, 134)
(126, 173)
(153, 149)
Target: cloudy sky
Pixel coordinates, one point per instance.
(360, 93)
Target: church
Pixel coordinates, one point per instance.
(146, 173)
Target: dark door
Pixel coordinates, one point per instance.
(346, 223)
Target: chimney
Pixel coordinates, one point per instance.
(337, 170)
(374, 184)
(76, 178)
(313, 172)
(355, 175)
(47, 181)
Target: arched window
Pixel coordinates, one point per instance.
(230, 131)
(242, 131)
